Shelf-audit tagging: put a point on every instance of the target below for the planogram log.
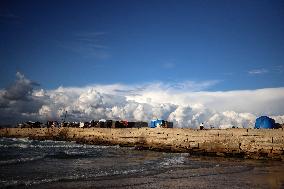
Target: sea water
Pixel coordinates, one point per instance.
(60, 164)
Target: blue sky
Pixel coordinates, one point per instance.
(217, 62)
(234, 44)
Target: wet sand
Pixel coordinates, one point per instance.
(216, 173)
(60, 164)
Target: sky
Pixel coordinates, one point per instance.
(210, 56)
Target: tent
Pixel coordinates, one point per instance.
(264, 122)
(156, 123)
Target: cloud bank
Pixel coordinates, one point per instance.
(184, 103)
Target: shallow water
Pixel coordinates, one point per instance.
(59, 164)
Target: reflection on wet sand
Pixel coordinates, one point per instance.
(60, 164)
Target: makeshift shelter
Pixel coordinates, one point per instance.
(156, 123)
(160, 123)
(264, 122)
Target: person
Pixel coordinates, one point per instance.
(201, 126)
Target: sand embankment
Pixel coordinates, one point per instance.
(249, 143)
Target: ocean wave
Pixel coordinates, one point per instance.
(26, 140)
(23, 183)
(27, 143)
(74, 177)
(173, 161)
(4, 139)
(21, 160)
(15, 145)
(70, 155)
(57, 155)
(28, 183)
(81, 146)
(56, 146)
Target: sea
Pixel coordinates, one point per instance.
(28, 163)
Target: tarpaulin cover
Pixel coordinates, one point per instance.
(156, 122)
(264, 122)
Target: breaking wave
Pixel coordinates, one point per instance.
(26, 143)
(172, 161)
(21, 160)
(107, 173)
(69, 155)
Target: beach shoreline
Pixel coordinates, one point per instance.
(244, 143)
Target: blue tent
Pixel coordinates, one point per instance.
(264, 122)
(156, 123)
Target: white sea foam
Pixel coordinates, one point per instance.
(21, 160)
(22, 140)
(14, 145)
(4, 139)
(26, 143)
(172, 161)
(69, 146)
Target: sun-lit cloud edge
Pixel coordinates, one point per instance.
(186, 103)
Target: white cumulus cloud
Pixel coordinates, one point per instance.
(184, 103)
